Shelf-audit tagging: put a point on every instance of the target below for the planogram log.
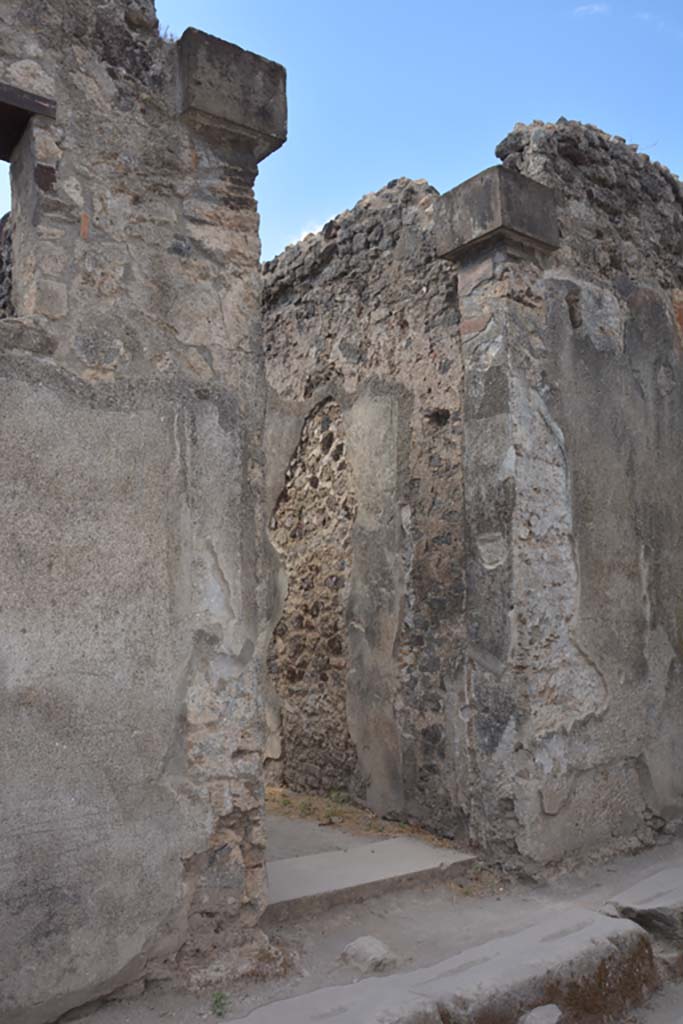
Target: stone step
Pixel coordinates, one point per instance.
(299, 886)
(588, 965)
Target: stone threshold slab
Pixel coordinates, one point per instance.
(298, 886)
(591, 966)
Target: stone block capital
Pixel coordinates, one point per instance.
(495, 206)
(225, 88)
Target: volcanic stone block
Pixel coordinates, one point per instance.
(495, 205)
(244, 91)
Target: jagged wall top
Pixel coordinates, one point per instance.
(620, 212)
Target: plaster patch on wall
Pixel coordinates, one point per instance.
(595, 313)
(563, 686)
(493, 549)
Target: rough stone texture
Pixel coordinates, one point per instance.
(369, 955)
(619, 211)
(548, 1014)
(5, 266)
(310, 747)
(531, 667)
(362, 314)
(132, 401)
(572, 438)
(500, 537)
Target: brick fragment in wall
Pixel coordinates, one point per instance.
(308, 661)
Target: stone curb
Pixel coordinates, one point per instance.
(584, 962)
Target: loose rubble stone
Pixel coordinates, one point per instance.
(369, 955)
(311, 528)
(549, 1014)
(5, 267)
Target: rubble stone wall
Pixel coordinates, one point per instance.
(132, 403)
(5, 266)
(363, 315)
(311, 531)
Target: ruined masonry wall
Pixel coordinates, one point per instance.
(574, 386)
(308, 661)
(514, 434)
(363, 315)
(131, 398)
(5, 267)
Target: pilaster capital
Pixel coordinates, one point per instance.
(496, 206)
(230, 92)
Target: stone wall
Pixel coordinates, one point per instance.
(362, 315)
(5, 266)
(514, 432)
(475, 581)
(132, 404)
(311, 531)
(572, 344)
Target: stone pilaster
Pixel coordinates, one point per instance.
(497, 228)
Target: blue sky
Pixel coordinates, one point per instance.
(380, 89)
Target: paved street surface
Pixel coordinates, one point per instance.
(665, 1008)
(422, 927)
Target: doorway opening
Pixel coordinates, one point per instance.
(309, 747)
(6, 308)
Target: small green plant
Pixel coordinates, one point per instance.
(286, 802)
(339, 796)
(306, 807)
(219, 1004)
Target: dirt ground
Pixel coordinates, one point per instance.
(335, 809)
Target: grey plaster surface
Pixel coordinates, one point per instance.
(131, 404)
(513, 634)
